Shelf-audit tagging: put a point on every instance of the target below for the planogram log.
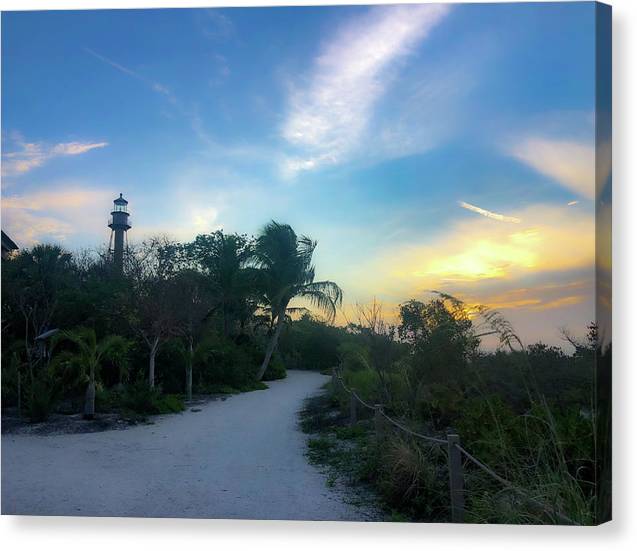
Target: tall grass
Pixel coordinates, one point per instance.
(545, 450)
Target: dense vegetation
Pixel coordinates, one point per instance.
(214, 315)
(203, 316)
(528, 413)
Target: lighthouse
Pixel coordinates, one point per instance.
(119, 222)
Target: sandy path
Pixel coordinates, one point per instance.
(238, 458)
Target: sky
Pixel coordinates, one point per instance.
(446, 147)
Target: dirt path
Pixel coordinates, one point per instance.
(238, 458)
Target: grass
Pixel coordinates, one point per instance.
(343, 451)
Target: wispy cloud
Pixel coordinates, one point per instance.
(30, 155)
(214, 24)
(154, 85)
(570, 163)
(489, 214)
(327, 116)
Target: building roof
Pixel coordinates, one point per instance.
(8, 244)
(120, 200)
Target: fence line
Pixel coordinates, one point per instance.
(454, 455)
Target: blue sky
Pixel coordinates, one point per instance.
(424, 147)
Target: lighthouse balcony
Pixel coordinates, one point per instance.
(119, 222)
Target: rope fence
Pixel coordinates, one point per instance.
(455, 453)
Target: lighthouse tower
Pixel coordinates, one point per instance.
(119, 223)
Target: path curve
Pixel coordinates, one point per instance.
(238, 458)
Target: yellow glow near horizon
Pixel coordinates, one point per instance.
(554, 239)
(486, 259)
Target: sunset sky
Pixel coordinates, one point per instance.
(424, 147)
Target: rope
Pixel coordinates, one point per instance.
(488, 470)
(353, 393)
(513, 487)
(392, 421)
(409, 431)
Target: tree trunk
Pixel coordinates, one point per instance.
(89, 401)
(189, 373)
(19, 394)
(271, 345)
(151, 362)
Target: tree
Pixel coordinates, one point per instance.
(286, 272)
(153, 313)
(224, 259)
(194, 304)
(441, 340)
(90, 353)
(33, 283)
(381, 349)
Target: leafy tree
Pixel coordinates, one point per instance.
(32, 285)
(195, 303)
(286, 272)
(154, 309)
(441, 341)
(224, 259)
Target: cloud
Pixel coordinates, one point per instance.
(537, 297)
(55, 215)
(28, 229)
(489, 214)
(327, 117)
(570, 163)
(58, 200)
(30, 155)
(550, 238)
(153, 85)
(476, 254)
(214, 24)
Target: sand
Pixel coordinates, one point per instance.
(238, 458)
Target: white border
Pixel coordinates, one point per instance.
(96, 534)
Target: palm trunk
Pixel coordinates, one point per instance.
(271, 345)
(189, 373)
(151, 362)
(89, 399)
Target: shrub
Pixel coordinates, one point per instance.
(42, 397)
(221, 361)
(411, 480)
(140, 398)
(276, 370)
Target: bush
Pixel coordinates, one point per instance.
(411, 479)
(42, 397)
(276, 370)
(140, 398)
(221, 361)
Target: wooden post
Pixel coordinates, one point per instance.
(352, 410)
(379, 423)
(456, 478)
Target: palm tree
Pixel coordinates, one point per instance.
(286, 272)
(224, 259)
(90, 353)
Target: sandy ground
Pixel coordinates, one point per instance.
(238, 458)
